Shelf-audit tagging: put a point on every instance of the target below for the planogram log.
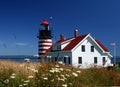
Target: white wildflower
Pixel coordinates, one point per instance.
(78, 71)
(111, 64)
(12, 77)
(52, 80)
(52, 71)
(67, 75)
(6, 81)
(29, 68)
(62, 76)
(34, 70)
(20, 85)
(57, 66)
(27, 60)
(25, 84)
(60, 62)
(27, 81)
(62, 80)
(64, 85)
(30, 77)
(22, 65)
(45, 78)
(68, 70)
(55, 70)
(58, 78)
(70, 83)
(61, 69)
(14, 74)
(75, 74)
(40, 65)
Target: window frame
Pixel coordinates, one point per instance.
(103, 60)
(92, 49)
(69, 60)
(83, 48)
(79, 60)
(65, 60)
(95, 60)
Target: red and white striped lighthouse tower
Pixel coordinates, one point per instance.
(45, 39)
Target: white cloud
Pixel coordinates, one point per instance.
(21, 44)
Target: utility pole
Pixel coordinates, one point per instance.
(114, 52)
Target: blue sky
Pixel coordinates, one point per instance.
(20, 21)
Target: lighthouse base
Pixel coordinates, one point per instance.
(42, 60)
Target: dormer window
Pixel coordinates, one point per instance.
(83, 48)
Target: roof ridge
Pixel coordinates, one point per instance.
(74, 42)
(60, 41)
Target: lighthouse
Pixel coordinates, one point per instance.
(44, 39)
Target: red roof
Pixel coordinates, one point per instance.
(74, 42)
(102, 46)
(44, 22)
(60, 41)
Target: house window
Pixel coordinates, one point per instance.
(92, 48)
(79, 60)
(59, 47)
(56, 59)
(65, 61)
(49, 60)
(95, 60)
(83, 48)
(69, 60)
(103, 60)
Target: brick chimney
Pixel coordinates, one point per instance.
(62, 36)
(75, 33)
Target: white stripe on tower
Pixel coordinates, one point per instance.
(46, 47)
(42, 51)
(47, 40)
(47, 44)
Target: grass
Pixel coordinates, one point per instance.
(13, 74)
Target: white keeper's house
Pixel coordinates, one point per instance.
(80, 51)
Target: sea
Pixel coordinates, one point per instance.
(117, 59)
(19, 58)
